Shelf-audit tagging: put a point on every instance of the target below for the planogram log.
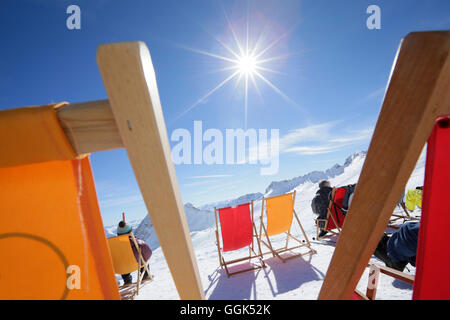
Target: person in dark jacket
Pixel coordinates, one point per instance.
(319, 204)
(400, 248)
(146, 252)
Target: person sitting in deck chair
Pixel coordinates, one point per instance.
(400, 248)
(124, 228)
(320, 203)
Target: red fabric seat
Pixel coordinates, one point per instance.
(336, 211)
(432, 279)
(356, 296)
(236, 226)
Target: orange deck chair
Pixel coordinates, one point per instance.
(280, 214)
(52, 241)
(125, 262)
(238, 231)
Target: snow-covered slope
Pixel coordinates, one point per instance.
(300, 278)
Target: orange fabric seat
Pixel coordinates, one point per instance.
(32, 134)
(279, 214)
(52, 238)
(122, 255)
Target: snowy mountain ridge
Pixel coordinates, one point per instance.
(203, 218)
(280, 187)
(233, 202)
(197, 220)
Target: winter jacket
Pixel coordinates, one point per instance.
(321, 201)
(145, 249)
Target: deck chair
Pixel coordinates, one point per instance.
(48, 194)
(431, 282)
(280, 214)
(335, 217)
(125, 262)
(52, 225)
(418, 99)
(238, 231)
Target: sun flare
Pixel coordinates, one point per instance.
(247, 64)
(247, 60)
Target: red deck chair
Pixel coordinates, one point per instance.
(238, 231)
(433, 250)
(335, 216)
(429, 283)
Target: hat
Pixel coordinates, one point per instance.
(123, 228)
(324, 183)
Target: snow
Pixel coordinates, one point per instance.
(298, 278)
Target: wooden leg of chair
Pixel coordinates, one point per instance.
(301, 228)
(287, 238)
(317, 230)
(258, 241)
(218, 249)
(147, 269)
(138, 282)
(269, 244)
(372, 285)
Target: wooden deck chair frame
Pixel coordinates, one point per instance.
(277, 252)
(326, 220)
(251, 248)
(417, 95)
(374, 274)
(396, 217)
(141, 264)
(405, 217)
(132, 118)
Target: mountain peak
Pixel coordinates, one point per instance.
(359, 154)
(233, 202)
(280, 187)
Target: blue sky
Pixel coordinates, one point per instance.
(328, 68)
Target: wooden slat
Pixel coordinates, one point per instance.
(418, 92)
(130, 82)
(408, 278)
(90, 126)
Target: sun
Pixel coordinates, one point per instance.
(247, 64)
(247, 60)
